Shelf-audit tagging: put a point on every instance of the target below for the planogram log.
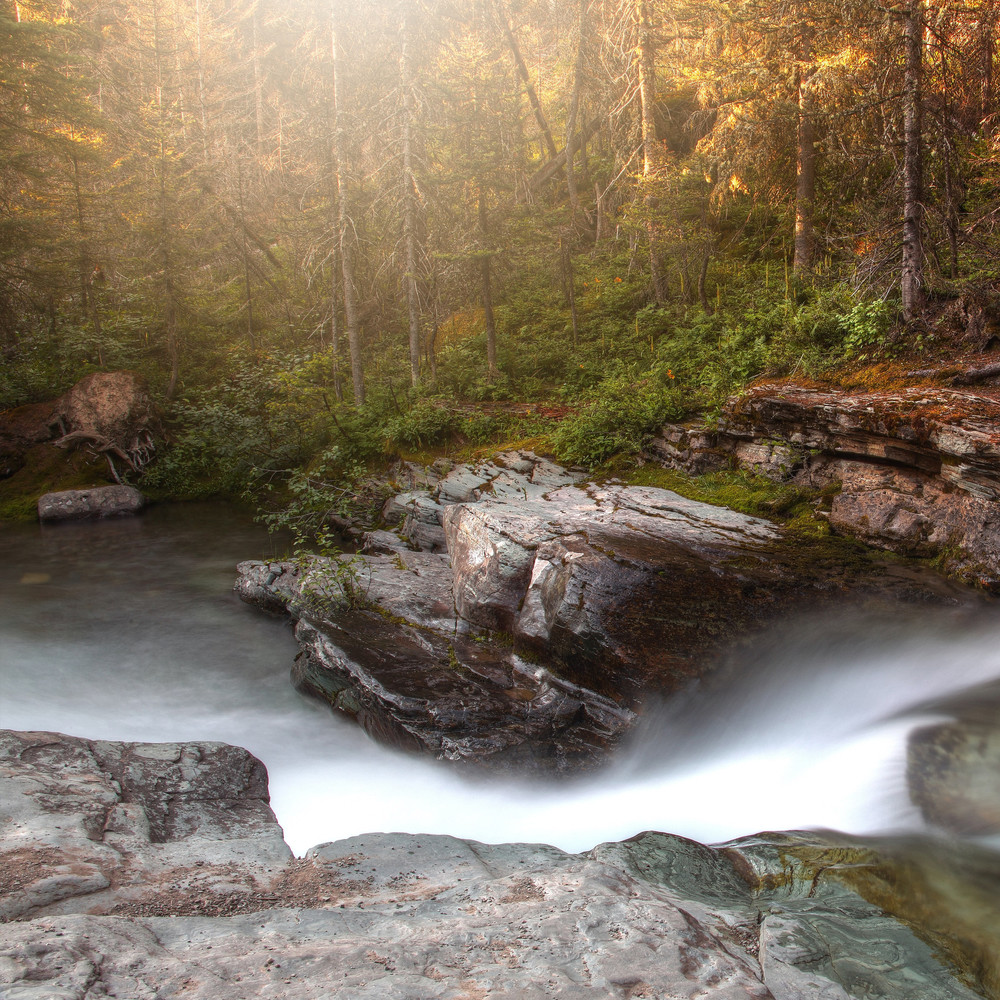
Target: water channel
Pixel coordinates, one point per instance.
(128, 629)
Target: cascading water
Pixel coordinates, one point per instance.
(128, 630)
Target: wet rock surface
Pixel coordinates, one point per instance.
(203, 900)
(426, 649)
(919, 468)
(953, 767)
(101, 501)
(542, 615)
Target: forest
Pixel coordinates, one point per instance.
(330, 233)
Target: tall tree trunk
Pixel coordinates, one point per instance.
(567, 263)
(258, 84)
(574, 111)
(165, 220)
(338, 388)
(201, 78)
(805, 181)
(346, 235)
(83, 259)
(409, 197)
(529, 87)
(987, 29)
(703, 281)
(912, 283)
(651, 157)
(485, 274)
(169, 294)
(245, 250)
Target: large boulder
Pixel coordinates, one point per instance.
(626, 588)
(381, 643)
(135, 871)
(101, 501)
(555, 609)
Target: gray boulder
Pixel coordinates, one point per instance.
(538, 614)
(100, 501)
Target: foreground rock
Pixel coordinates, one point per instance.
(543, 613)
(918, 469)
(953, 767)
(102, 501)
(123, 875)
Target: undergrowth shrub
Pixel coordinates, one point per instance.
(617, 416)
(428, 421)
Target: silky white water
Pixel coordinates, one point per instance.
(128, 630)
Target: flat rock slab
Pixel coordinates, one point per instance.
(78, 817)
(413, 917)
(101, 501)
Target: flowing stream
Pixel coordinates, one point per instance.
(128, 629)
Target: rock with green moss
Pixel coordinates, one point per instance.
(555, 611)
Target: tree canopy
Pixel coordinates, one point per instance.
(510, 183)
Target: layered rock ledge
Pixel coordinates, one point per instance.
(918, 469)
(136, 871)
(541, 612)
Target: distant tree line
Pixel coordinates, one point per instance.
(344, 173)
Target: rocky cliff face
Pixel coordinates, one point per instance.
(137, 871)
(918, 469)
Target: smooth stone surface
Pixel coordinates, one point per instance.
(101, 501)
(217, 911)
(953, 768)
(612, 593)
(82, 818)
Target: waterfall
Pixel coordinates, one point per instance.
(128, 630)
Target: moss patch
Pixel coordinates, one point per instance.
(48, 470)
(739, 490)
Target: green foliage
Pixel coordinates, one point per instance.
(330, 579)
(428, 421)
(305, 502)
(47, 360)
(267, 415)
(618, 414)
(866, 329)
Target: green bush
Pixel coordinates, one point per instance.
(866, 328)
(428, 421)
(617, 417)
